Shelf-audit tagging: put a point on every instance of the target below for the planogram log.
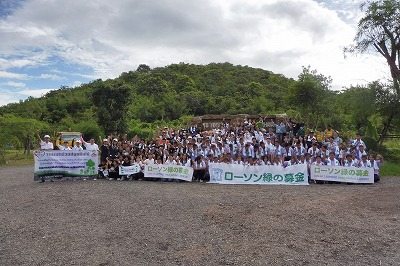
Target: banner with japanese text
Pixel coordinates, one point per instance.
(57, 164)
(169, 171)
(260, 175)
(129, 170)
(342, 174)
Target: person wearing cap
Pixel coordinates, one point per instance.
(64, 147)
(45, 144)
(78, 146)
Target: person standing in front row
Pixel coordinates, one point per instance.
(45, 145)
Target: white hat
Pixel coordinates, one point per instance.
(78, 141)
(105, 140)
(46, 136)
(115, 139)
(189, 137)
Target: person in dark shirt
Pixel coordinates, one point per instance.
(104, 151)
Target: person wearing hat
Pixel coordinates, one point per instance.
(78, 146)
(45, 144)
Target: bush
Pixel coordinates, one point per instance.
(371, 143)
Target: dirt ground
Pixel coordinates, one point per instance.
(155, 223)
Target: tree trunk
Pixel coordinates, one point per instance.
(385, 130)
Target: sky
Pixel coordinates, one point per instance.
(46, 44)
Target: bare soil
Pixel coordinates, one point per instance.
(157, 223)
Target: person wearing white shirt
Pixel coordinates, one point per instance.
(90, 146)
(364, 163)
(149, 160)
(332, 161)
(318, 162)
(299, 150)
(248, 151)
(376, 164)
(314, 151)
(64, 147)
(45, 144)
(78, 146)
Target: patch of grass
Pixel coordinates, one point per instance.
(17, 158)
(389, 169)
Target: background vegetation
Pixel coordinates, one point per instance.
(139, 101)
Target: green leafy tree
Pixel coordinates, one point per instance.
(379, 31)
(310, 94)
(111, 101)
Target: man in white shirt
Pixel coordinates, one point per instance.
(46, 144)
(90, 146)
(64, 147)
(78, 146)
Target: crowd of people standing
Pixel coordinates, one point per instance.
(250, 142)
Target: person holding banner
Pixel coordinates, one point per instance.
(376, 164)
(90, 146)
(64, 147)
(199, 167)
(78, 146)
(318, 162)
(46, 144)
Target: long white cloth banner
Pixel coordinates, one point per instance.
(260, 175)
(169, 171)
(342, 174)
(59, 164)
(129, 170)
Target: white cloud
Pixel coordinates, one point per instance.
(15, 84)
(111, 37)
(51, 77)
(34, 93)
(11, 75)
(76, 83)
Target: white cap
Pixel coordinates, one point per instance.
(115, 139)
(105, 140)
(46, 136)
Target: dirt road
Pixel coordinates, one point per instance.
(154, 223)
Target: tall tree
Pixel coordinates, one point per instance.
(379, 30)
(309, 94)
(112, 101)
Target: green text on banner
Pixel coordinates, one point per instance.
(258, 175)
(343, 174)
(169, 171)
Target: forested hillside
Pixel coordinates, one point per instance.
(138, 101)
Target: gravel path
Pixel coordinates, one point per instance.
(154, 223)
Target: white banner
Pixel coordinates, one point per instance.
(129, 170)
(261, 175)
(342, 174)
(169, 171)
(59, 164)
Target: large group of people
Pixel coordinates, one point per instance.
(282, 144)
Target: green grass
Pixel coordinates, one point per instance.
(389, 169)
(17, 158)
